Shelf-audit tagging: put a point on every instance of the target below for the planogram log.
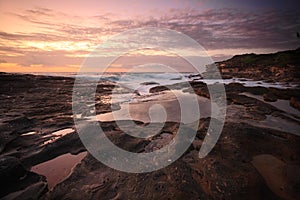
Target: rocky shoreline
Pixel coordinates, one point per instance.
(281, 66)
(255, 158)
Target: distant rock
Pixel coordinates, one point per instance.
(18, 183)
(136, 92)
(281, 66)
(150, 83)
(158, 89)
(178, 78)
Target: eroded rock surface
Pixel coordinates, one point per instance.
(36, 125)
(226, 173)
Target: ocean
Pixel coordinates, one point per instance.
(142, 82)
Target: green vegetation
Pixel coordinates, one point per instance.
(283, 58)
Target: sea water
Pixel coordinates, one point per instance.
(142, 82)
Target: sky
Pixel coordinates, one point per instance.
(58, 35)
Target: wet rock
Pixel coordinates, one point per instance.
(274, 171)
(159, 142)
(136, 92)
(242, 100)
(226, 173)
(280, 66)
(65, 144)
(229, 179)
(175, 86)
(102, 182)
(295, 102)
(269, 81)
(21, 123)
(33, 192)
(198, 88)
(292, 172)
(197, 144)
(226, 76)
(158, 89)
(6, 135)
(270, 97)
(175, 79)
(11, 170)
(192, 76)
(18, 183)
(150, 83)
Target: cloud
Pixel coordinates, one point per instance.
(3, 61)
(231, 28)
(56, 36)
(32, 36)
(40, 11)
(215, 29)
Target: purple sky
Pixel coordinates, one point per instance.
(57, 35)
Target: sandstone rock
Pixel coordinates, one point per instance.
(158, 89)
(226, 76)
(197, 144)
(269, 81)
(174, 79)
(18, 183)
(269, 97)
(225, 173)
(10, 170)
(295, 102)
(273, 171)
(21, 122)
(33, 192)
(292, 172)
(279, 66)
(150, 83)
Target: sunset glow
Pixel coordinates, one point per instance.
(56, 36)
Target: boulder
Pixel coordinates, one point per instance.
(18, 183)
(10, 170)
